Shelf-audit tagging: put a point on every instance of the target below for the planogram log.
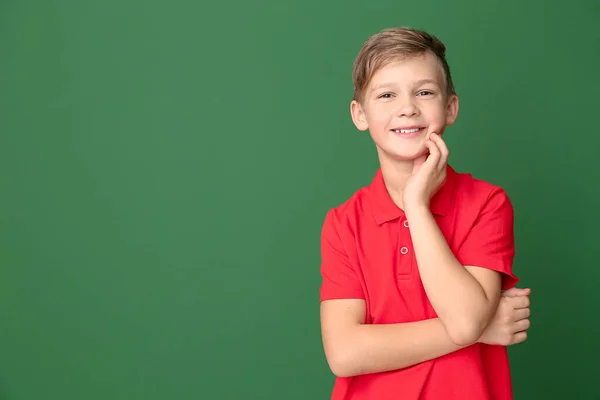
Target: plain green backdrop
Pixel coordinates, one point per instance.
(165, 169)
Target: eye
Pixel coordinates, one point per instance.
(424, 93)
(386, 96)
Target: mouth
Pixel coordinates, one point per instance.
(408, 130)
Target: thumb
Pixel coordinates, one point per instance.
(514, 292)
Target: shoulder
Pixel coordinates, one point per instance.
(346, 213)
(478, 193)
(479, 202)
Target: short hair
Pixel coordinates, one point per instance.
(395, 44)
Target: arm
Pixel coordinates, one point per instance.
(464, 290)
(464, 297)
(355, 348)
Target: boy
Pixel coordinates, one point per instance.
(414, 264)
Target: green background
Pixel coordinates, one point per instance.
(166, 167)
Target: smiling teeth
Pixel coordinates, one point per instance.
(406, 130)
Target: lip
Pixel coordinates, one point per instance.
(421, 129)
(409, 127)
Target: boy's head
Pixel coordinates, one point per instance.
(403, 91)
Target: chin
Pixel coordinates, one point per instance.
(402, 156)
(408, 157)
(408, 154)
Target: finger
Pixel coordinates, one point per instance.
(519, 302)
(444, 152)
(434, 153)
(519, 337)
(419, 162)
(522, 313)
(513, 292)
(522, 325)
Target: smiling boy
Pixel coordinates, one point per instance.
(414, 264)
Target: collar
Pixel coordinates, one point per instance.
(384, 209)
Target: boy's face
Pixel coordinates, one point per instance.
(404, 102)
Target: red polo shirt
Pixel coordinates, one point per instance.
(367, 253)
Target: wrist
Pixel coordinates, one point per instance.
(416, 210)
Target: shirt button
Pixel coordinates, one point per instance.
(406, 223)
(404, 250)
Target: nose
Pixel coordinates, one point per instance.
(406, 107)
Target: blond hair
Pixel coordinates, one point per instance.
(395, 44)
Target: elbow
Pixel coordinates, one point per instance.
(463, 337)
(340, 369)
(340, 363)
(466, 332)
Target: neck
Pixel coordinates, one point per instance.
(395, 174)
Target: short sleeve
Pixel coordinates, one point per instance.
(339, 278)
(490, 242)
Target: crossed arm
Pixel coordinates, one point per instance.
(465, 298)
(355, 348)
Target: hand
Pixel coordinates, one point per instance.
(511, 321)
(428, 174)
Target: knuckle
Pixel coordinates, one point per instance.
(508, 340)
(510, 302)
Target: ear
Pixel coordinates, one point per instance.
(452, 110)
(358, 116)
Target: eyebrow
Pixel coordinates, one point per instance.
(423, 81)
(418, 83)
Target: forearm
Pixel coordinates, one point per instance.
(367, 348)
(457, 297)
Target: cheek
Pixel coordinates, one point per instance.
(379, 119)
(437, 115)
(379, 126)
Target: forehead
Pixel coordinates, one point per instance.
(410, 69)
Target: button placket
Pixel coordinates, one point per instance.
(405, 266)
(404, 249)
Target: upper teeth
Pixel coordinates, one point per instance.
(406, 130)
